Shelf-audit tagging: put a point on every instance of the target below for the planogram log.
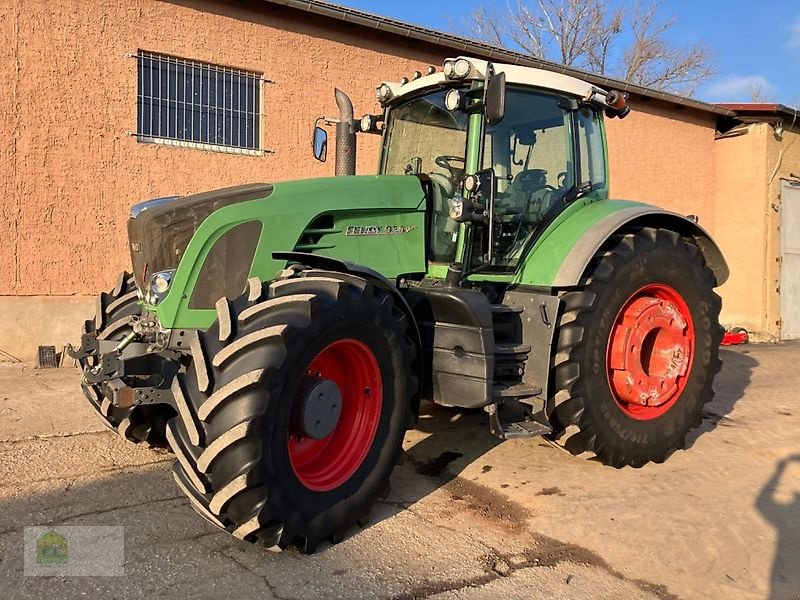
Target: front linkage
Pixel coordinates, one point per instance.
(127, 366)
(131, 372)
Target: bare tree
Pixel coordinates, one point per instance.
(587, 34)
(756, 90)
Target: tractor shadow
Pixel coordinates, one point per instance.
(729, 387)
(447, 440)
(444, 442)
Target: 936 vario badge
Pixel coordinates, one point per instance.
(379, 229)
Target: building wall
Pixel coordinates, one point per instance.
(748, 176)
(741, 194)
(74, 168)
(70, 168)
(664, 155)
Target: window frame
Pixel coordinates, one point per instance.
(233, 113)
(594, 154)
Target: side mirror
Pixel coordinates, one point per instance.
(320, 144)
(495, 97)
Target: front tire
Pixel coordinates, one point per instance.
(258, 453)
(637, 351)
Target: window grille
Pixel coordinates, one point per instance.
(188, 103)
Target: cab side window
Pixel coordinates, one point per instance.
(590, 136)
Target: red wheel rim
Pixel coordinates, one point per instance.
(650, 352)
(325, 464)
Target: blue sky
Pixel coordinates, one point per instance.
(751, 41)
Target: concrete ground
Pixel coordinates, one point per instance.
(467, 518)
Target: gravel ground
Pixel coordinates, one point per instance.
(468, 517)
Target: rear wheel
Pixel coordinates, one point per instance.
(115, 310)
(298, 401)
(637, 351)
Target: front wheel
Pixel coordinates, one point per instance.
(637, 351)
(298, 401)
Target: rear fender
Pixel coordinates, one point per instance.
(577, 259)
(559, 258)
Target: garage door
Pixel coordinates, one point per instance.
(790, 261)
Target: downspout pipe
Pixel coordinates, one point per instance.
(345, 136)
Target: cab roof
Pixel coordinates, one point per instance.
(515, 74)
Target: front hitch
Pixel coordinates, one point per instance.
(127, 371)
(109, 367)
(89, 344)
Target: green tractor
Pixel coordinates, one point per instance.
(279, 338)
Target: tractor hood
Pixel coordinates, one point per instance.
(159, 230)
(377, 221)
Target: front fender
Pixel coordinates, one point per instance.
(562, 255)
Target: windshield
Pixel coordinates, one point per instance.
(530, 150)
(421, 131)
(423, 137)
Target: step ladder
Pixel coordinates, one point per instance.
(520, 403)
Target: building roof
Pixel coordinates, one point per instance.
(462, 45)
(762, 110)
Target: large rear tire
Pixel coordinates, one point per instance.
(637, 351)
(258, 453)
(115, 310)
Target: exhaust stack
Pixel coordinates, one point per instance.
(345, 136)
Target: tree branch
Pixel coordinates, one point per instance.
(587, 34)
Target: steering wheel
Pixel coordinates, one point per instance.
(445, 161)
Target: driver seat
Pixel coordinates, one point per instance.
(525, 184)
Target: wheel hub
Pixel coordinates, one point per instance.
(650, 350)
(335, 414)
(320, 407)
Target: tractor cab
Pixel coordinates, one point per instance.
(536, 137)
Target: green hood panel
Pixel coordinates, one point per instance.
(377, 221)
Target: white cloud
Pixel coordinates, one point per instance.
(794, 35)
(737, 88)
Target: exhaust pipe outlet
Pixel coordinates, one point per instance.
(345, 136)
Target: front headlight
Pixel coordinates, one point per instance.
(159, 286)
(452, 101)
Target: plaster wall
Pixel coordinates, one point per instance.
(70, 168)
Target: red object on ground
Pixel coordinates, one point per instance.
(325, 464)
(735, 337)
(650, 352)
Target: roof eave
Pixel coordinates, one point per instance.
(763, 111)
(487, 51)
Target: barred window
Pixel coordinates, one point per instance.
(189, 103)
